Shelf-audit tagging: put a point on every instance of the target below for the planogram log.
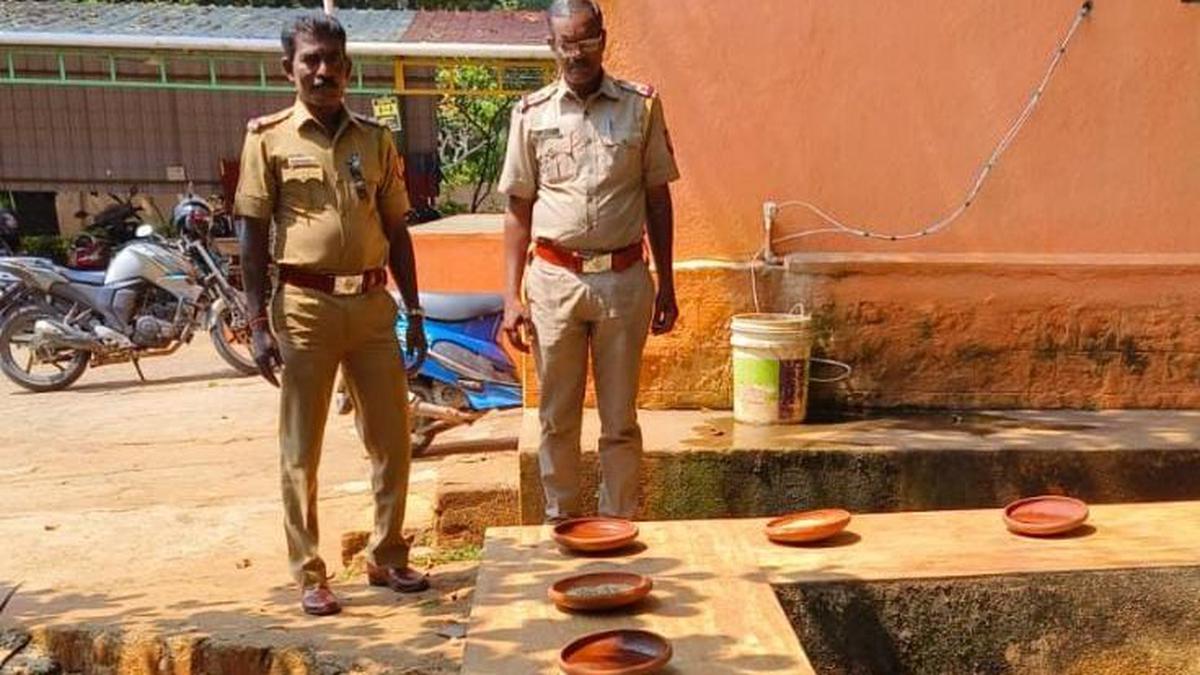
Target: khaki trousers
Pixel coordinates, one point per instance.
(607, 314)
(317, 333)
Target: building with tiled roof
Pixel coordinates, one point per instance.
(104, 96)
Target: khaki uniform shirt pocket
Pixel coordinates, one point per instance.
(620, 151)
(557, 160)
(302, 185)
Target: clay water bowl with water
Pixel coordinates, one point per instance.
(595, 534)
(1045, 516)
(616, 652)
(807, 527)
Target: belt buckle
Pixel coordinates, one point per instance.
(598, 263)
(352, 285)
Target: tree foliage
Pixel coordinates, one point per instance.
(471, 132)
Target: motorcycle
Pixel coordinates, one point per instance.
(466, 373)
(153, 297)
(10, 235)
(116, 224)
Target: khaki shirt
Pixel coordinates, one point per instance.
(294, 173)
(588, 163)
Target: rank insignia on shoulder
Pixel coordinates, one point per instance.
(637, 88)
(259, 123)
(536, 98)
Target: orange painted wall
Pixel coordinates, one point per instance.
(460, 263)
(881, 111)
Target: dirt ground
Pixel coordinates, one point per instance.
(155, 507)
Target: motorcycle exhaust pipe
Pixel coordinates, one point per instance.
(59, 335)
(446, 413)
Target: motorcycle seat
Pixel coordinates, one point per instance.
(83, 277)
(460, 306)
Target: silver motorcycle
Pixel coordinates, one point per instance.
(150, 301)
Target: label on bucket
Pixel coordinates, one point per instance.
(769, 390)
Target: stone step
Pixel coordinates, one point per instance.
(933, 591)
(700, 464)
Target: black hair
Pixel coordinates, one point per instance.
(316, 24)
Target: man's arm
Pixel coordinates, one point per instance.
(402, 262)
(660, 229)
(518, 219)
(255, 258)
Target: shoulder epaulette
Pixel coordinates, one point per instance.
(538, 97)
(259, 123)
(365, 119)
(637, 88)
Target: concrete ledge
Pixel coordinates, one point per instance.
(702, 465)
(82, 649)
(716, 583)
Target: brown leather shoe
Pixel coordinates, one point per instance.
(399, 579)
(319, 601)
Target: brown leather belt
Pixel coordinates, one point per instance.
(580, 263)
(334, 284)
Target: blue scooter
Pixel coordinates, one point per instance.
(466, 373)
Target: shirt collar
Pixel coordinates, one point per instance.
(608, 88)
(302, 116)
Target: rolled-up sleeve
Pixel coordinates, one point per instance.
(658, 159)
(393, 193)
(519, 176)
(257, 188)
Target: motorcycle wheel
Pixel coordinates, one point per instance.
(18, 356)
(233, 345)
(423, 429)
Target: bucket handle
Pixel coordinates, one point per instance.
(846, 368)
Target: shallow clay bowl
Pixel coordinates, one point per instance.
(615, 652)
(598, 591)
(1045, 516)
(595, 534)
(807, 526)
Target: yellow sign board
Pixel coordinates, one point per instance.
(386, 110)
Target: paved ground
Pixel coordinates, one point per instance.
(156, 505)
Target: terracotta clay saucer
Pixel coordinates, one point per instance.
(615, 652)
(595, 534)
(598, 591)
(807, 526)
(1044, 516)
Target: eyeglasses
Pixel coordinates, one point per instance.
(588, 46)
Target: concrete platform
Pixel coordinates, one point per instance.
(718, 583)
(700, 464)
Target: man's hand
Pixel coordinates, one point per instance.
(266, 353)
(666, 312)
(415, 348)
(517, 324)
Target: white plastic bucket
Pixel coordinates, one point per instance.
(770, 367)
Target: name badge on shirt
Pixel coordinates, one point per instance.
(302, 168)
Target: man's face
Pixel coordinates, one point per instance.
(320, 70)
(578, 44)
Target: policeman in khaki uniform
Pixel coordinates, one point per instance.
(331, 182)
(587, 172)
